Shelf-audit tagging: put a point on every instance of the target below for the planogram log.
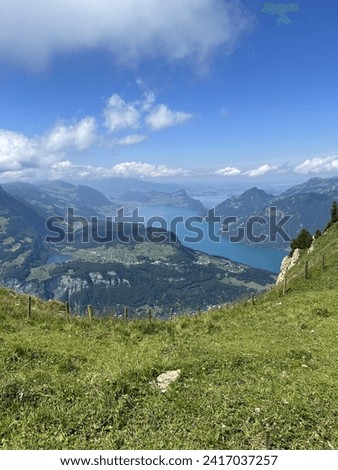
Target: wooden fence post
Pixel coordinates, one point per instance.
(67, 310)
(90, 312)
(253, 299)
(285, 281)
(171, 313)
(125, 314)
(29, 315)
(149, 314)
(306, 270)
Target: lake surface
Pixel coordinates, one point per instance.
(57, 259)
(255, 256)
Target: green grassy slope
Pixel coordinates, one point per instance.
(253, 376)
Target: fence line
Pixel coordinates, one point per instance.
(306, 271)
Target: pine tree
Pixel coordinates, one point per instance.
(302, 241)
(334, 215)
(318, 234)
(334, 212)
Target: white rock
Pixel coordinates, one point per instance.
(288, 263)
(164, 380)
(310, 250)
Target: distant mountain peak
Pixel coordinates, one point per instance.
(180, 192)
(255, 193)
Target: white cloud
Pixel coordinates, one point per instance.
(80, 135)
(121, 115)
(228, 171)
(131, 139)
(317, 165)
(138, 169)
(20, 153)
(67, 169)
(147, 103)
(262, 170)
(161, 117)
(130, 29)
(16, 150)
(126, 169)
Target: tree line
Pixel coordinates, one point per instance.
(304, 239)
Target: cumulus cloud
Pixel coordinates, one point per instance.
(130, 29)
(228, 171)
(317, 165)
(16, 151)
(21, 153)
(121, 115)
(68, 169)
(161, 116)
(262, 170)
(80, 135)
(126, 169)
(145, 169)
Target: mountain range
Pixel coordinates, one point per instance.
(141, 273)
(51, 198)
(179, 198)
(308, 206)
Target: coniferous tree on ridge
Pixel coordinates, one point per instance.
(302, 241)
(334, 215)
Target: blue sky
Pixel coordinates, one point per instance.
(156, 89)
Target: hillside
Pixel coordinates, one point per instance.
(260, 376)
(314, 185)
(143, 274)
(21, 237)
(108, 271)
(50, 198)
(308, 205)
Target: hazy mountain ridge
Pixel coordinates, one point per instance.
(156, 198)
(251, 201)
(307, 204)
(314, 185)
(54, 197)
(115, 186)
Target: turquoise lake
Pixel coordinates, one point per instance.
(255, 256)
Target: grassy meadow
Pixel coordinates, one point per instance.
(260, 376)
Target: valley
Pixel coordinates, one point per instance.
(182, 275)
